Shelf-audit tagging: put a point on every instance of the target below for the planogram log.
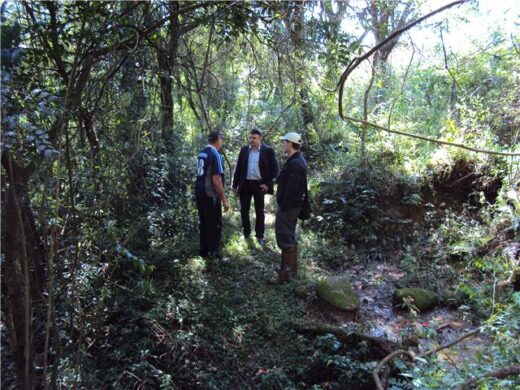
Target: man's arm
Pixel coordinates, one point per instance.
(219, 189)
(272, 173)
(238, 170)
(275, 170)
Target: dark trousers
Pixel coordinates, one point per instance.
(250, 190)
(285, 227)
(210, 224)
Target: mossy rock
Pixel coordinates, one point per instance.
(453, 299)
(304, 290)
(338, 291)
(422, 299)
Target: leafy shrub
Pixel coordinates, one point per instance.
(367, 206)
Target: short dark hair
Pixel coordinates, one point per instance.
(296, 146)
(214, 136)
(254, 130)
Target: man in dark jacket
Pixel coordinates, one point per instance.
(254, 177)
(209, 192)
(292, 186)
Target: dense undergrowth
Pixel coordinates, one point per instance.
(152, 315)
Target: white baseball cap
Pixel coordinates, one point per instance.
(292, 137)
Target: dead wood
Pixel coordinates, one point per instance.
(500, 373)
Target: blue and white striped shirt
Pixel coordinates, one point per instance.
(209, 162)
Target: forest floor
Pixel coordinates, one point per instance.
(246, 337)
(219, 325)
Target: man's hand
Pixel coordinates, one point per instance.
(226, 205)
(264, 188)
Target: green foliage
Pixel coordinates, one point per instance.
(352, 208)
(274, 379)
(340, 366)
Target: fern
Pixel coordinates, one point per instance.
(399, 384)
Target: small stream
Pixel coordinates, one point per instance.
(378, 317)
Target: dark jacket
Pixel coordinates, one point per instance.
(266, 163)
(291, 183)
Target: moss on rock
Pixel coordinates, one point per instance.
(338, 291)
(422, 299)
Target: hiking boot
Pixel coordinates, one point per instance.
(293, 260)
(284, 275)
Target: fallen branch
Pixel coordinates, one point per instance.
(379, 346)
(442, 327)
(456, 341)
(462, 179)
(382, 363)
(421, 137)
(500, 373)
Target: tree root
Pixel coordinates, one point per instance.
(382, 363)
(378, 346)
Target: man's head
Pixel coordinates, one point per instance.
(215, 139)
(292, 142)
(255, 138)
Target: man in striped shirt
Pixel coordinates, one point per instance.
(210, 196)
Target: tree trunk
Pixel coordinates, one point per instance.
(23, 270)
(166, 54)
(385, 17)
(166, 92)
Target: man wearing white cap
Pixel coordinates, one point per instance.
(292, 187)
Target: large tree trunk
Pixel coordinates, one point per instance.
(23, 270)
(166, 54)
(166, 84)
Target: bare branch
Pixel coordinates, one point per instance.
(456, 341)
(382, 363)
